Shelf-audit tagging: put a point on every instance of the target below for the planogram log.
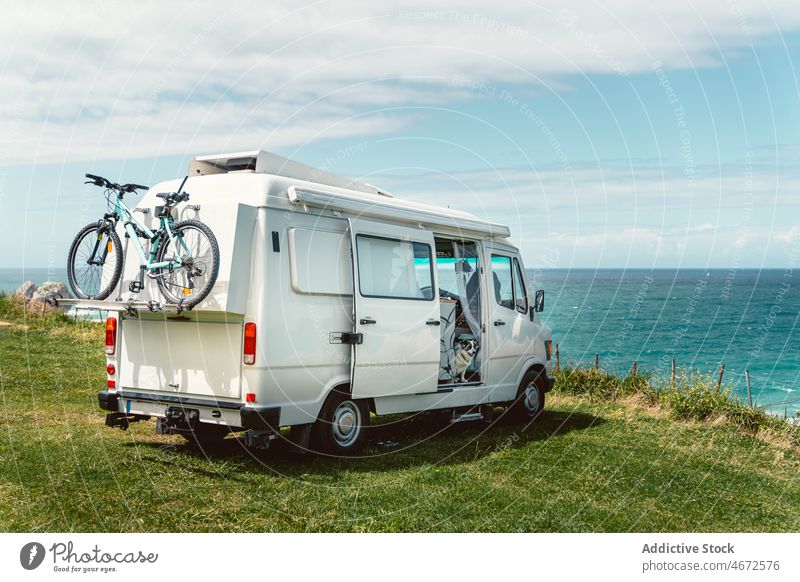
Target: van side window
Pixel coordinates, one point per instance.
(394, 268)
(319, 262)
(503, 288)
(520, 295)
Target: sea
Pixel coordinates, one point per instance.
(744, 319)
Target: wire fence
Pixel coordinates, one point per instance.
(771, 407)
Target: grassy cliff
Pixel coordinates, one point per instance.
(608, 454)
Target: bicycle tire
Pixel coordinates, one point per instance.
(170, 280)
(75, 273)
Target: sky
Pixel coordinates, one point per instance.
(616, 134)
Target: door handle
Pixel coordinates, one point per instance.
(366, 321)
(499, 322)
(433, 322)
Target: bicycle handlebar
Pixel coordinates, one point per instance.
(100, 181)
(97, 180)
(133, 187)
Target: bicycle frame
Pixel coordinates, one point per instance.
(130, 224)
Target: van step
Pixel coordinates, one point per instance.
(483, 413)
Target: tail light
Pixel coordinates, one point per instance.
(111, 335)
(249, 348)
(111, 369)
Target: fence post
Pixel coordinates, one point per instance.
(558, 360)
(597, 361)
(673, 371)
(633, 372)
(719, 382)
(749, 394)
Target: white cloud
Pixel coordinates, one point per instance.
(612, 213)
(788, 236)
(121, 79)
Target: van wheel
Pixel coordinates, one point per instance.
(529, 403)
(341, 428)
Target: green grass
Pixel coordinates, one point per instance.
(605, 456)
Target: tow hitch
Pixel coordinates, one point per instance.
(122, 420)
(178, 420)
(259, 439)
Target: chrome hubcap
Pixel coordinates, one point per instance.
(346, 423)
(531, 398)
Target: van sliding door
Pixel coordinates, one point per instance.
(396, 309)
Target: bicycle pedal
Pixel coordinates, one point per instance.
(135, 286)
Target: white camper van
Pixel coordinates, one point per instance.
(334, 301)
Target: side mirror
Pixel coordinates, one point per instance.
(538, 304)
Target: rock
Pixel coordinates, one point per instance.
(26, 290)
(50, 290)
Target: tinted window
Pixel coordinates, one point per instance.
(501, 274)
(394, 268)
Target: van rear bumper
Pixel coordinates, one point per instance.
(108, 400)
(551, 382)
(261, 417)
(252, 417)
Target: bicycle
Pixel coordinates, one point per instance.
(182, 257)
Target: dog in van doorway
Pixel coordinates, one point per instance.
(465, 353)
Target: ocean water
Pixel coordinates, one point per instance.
(746, 319)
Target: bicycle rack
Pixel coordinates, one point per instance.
(122, 274)
(130, 307)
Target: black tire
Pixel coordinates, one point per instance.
(205, 264)
(86, 280)
(341, 429)
(529, 403)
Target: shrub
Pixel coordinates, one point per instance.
(13, 308)
(598, 384)
(693, 396)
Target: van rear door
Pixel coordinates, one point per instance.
(396, 309)
(181, 357)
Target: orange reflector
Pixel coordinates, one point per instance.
(110, 246)
(187, 291)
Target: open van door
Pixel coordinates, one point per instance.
(396, 310)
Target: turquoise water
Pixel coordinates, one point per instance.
(742, 318)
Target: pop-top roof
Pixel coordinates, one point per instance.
(372, 202)
(262, 162)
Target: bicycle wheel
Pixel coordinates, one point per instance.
(94, 263)
(191, 282)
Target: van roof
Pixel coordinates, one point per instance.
(343, 193)
(262, 162)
